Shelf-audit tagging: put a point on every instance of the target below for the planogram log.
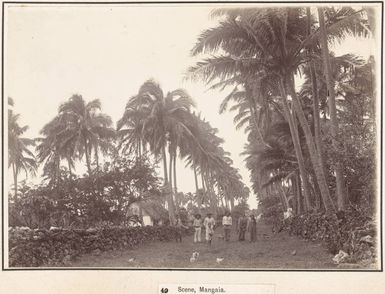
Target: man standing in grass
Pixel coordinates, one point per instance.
(179, 226)
(242, 226)
(227, 222)
(209, 224)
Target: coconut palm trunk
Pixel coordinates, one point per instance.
(282, 194)
(226, 200)
(173, 194)
(232, 203)
(168, 189)
(314, 156)
(297, 147)
(316, 108)
(210, 191)
(170, 171)
(222, 203)
(97, 158)
(199, 200)
(14, 170)
(297, 186)
(203, 187)
(174, 166)
(139, 148)
(164, 158)
(86, 147)
(341, 201)
(69, 166)
(198, 197)
(254, 116)
(213, 194)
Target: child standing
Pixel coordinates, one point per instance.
(197, 223)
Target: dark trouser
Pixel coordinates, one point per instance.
(227, 229)
(253, 235)
(241, 236)
(178, 235)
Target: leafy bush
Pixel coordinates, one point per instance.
(346, 231)
(57, 247)
(272, 209)
(86, 201)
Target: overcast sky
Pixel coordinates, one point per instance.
(106, 53)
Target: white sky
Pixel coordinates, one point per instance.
(107, 52)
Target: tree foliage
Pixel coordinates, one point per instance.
(89, 200)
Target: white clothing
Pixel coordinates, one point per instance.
(209, 224)
(227, 221)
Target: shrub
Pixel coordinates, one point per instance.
(346, 231)
(85, 201)
(57, 247)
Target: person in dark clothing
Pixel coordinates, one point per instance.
(252, 228)
(179, 226)
(242, 226)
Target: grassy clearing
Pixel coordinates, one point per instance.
(269, 252)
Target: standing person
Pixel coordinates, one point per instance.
(252, 228)
(197, 223)
(179, 226)
(209, 224)
(242, 226)
(227, 222)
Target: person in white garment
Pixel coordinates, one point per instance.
(209, 224)
(227, 222)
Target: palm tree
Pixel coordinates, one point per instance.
(160, 121)
(130, 131)
(20, 157)
(86, 128)
(341, 201)
(277, 162)
(247, 55)
(272, 43)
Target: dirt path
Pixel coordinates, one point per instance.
(269, 252)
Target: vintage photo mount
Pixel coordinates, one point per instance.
(149, 3)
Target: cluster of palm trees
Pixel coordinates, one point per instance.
(153, 124)
(166, 126)
(79, 130)
(261, 52)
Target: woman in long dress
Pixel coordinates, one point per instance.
(252, 228)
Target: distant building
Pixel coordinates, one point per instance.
(150, 212)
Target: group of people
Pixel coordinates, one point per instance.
(247, 224)
(244, 224)
(208, 223)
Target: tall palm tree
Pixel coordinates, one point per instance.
(86, 127)
(272, 42)
(254, 49)
(130, 131)
(20, 157)
(52, 148)
(160, 122)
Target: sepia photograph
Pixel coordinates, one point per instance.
(220, 136)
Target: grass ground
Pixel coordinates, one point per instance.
(270, 251)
